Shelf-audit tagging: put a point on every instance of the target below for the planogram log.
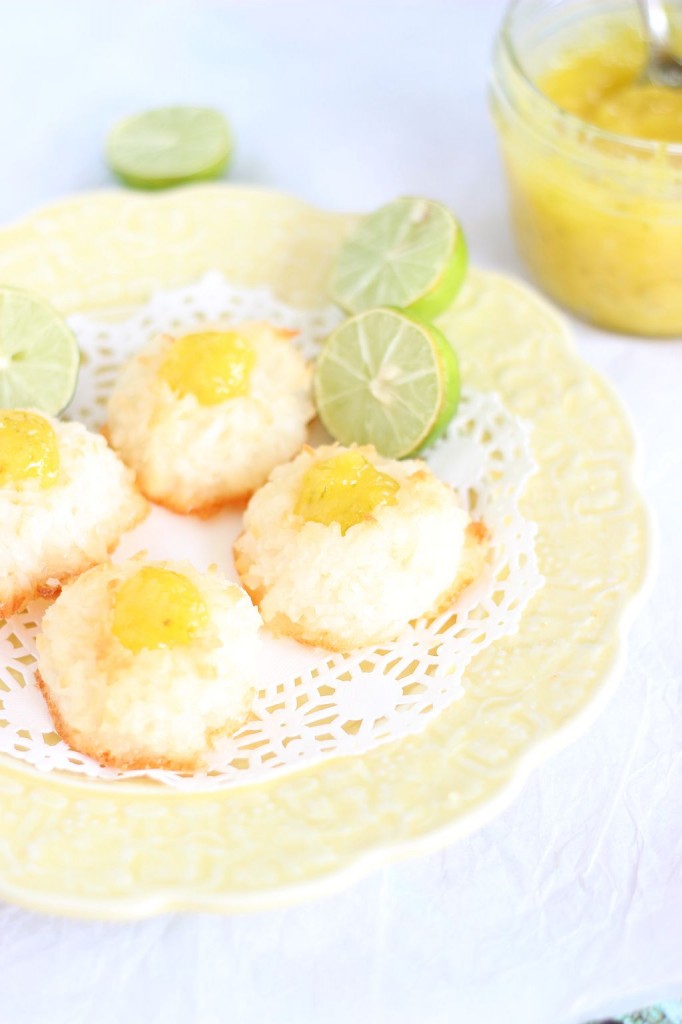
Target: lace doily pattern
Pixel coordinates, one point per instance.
(324, 705)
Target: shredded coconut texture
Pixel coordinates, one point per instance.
(195, 458)
(54, 533)
(159, 707)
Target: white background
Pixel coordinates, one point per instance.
(570, 904)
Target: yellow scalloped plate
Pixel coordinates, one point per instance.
(128, 849)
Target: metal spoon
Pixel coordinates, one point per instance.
(662, 66)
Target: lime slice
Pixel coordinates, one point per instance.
(385, 379)
(410, 253)
(39, 355)
(169, 146)
(450, 370)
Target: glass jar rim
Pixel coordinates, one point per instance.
(651, 147)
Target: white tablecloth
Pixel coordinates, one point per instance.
(570, 904)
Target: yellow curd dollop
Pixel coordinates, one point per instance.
(28, 449)
(157, 607)
(345, 490)
(213, 366)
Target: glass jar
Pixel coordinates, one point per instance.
(597, 215)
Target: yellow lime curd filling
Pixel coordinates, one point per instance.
(602, 85)
(214, 366)
(346, 490)
(29, 450)
(157, 608)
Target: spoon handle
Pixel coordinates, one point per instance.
(658, 27)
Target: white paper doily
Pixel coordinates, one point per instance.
(312, 704)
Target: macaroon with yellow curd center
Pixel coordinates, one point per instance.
(65, 501)
(145, 665)
(343, 548)
(203, 418)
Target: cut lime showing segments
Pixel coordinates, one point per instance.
(39, 355)
(410, 253)
(385, 379)
(169, 146)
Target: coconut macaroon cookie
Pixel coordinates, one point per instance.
(65, 500)
(203, 418)
(144, 665)
(342, 548)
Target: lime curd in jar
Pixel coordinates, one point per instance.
(602, 84)
(594, 162)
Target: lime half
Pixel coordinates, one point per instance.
(410, 253)
(385, 379)
(449, 365)
(169, 146)
(39, 355)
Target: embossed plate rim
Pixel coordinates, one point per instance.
(360, 861)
